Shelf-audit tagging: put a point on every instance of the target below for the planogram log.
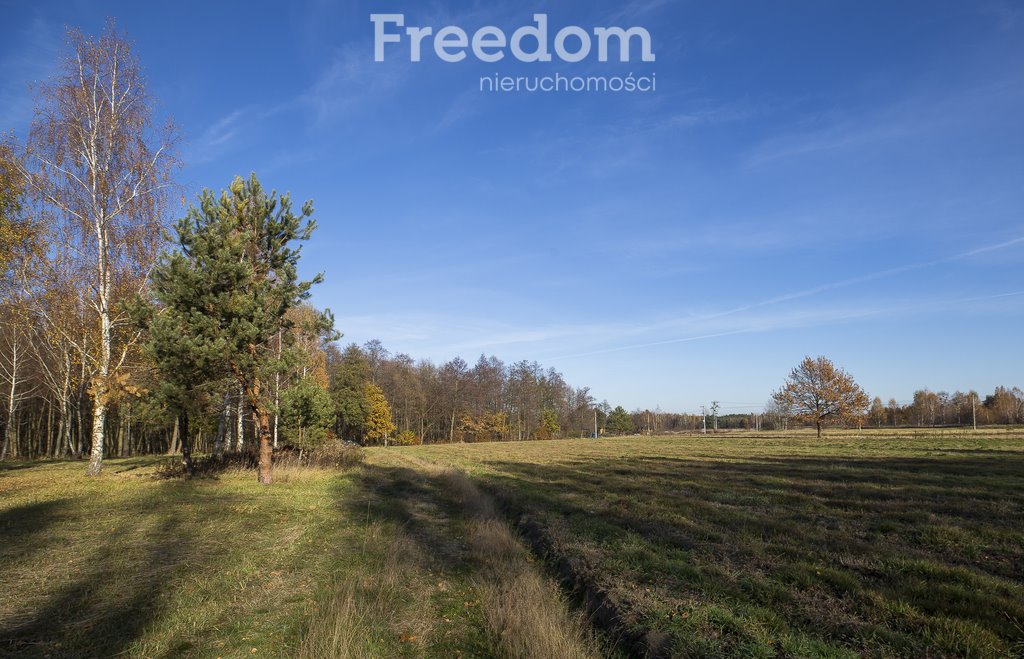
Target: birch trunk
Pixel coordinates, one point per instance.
(10, 407)
(103, 167)
(240, 429)
(13, 364)
(222, 426)
(101, 383)
(186, 443)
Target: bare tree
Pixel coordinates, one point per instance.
(102, 170)
(13, 354)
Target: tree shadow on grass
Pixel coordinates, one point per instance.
(23, 529)
(416, 502)
(6, 467)
(115, 592)
(423, 537)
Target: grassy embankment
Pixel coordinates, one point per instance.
(859, 544)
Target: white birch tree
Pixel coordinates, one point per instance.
(102, 170)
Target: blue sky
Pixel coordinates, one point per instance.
(839, 178)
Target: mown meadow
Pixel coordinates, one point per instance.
(736, 544)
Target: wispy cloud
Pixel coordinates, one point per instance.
(989, 248)
(465, 105)
(352, 82)
(223, 130)
(215, 140)
(809, 318)
(629, 13)
(871, 276)
(917, 112)
(1008, 16)
(444, 336)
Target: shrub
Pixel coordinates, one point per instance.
(407, 438)
(332, 453)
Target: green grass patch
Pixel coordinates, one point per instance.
(862, 544)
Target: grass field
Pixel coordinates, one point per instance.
(860, 544)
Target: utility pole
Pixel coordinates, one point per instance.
(974, 410)
(595, 423)
(704, 419)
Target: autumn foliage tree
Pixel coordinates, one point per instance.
(379, 425)
(876, 415)
(18, 233)
(817, 392)
(100, 168)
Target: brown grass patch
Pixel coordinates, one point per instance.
(524, 610)
(348, 623)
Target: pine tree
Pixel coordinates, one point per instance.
(349, 377)
(620, 421)
(306, 413)
(183, 338)
(227, 291)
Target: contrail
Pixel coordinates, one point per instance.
(820, 289)
(881, 274)
(990, 248)
(633, 346)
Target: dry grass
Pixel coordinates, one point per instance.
(524, 609)
(348, 623)
(524, 612)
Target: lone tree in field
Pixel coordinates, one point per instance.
(101, 170)
(818, 392)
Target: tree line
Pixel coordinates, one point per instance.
(453, 401)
